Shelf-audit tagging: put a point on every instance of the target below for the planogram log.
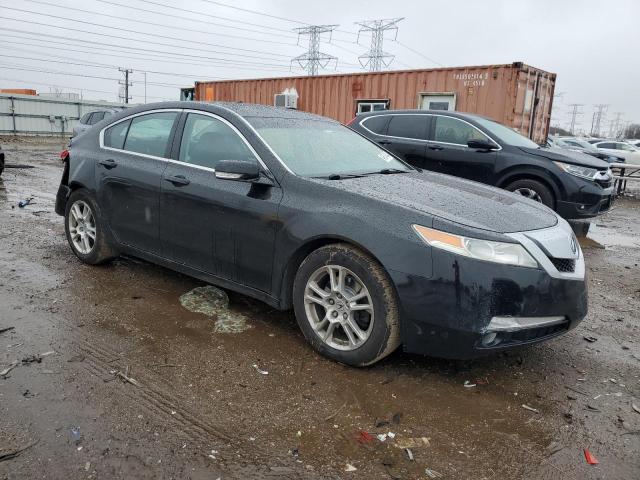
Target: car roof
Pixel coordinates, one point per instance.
(245, 110)
(464, 116)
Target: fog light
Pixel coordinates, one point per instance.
(489, 338)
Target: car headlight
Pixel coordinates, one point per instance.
(577, 170)
(497, 252)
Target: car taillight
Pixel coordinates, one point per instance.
(64, 155)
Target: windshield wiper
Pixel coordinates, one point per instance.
(339, 176)
(388, 171)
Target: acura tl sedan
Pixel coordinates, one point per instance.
(301, 212)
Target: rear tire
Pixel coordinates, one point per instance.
(343, 289)
(85, 229)
(533, 190)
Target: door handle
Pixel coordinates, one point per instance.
(109, 163)
(384, 142)
(178, 180)
(435, 147)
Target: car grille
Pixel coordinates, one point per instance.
(565, 265)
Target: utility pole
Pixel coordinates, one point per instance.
(313, 59)
(126, 84)
(598, 117)
(574, 114)
(376, 57)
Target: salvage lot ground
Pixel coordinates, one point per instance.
(200, 409)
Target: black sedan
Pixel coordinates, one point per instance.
(476, 148)
(301, 212)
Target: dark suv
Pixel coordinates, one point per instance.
(474, 147)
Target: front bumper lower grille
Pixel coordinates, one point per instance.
(564, 265)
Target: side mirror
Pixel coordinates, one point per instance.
(238, 170)
(481, 145)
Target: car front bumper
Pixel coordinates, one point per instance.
(470, 308)
(588, 200)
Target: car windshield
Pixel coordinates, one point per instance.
(316, 148)
(581, 143)
(506, 134)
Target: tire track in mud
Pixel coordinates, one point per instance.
(99, 360)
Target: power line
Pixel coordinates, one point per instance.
(163, 25)
(161, 56)
(221, 4)
(137, 32)
(417, 53)
(247, 62)
(313, 58)
(376, 57)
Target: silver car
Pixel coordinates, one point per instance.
(91, 118)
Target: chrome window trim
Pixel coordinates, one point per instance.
(361, 123)
(129, 117)
(170, 160)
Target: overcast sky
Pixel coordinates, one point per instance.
(75, 45)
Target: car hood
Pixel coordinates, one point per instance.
(567, 156)
(460, 201)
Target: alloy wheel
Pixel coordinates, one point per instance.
(339, 307)
(529, 193)
(82, 227)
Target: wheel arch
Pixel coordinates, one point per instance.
(532, 175)
(303, 251)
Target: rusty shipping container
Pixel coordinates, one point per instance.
(517, 95)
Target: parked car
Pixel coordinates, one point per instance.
(579, 145)
(634, 142)
(630, 153)
(299, 211)
(476, 148)
(1, 161)
(91, 118)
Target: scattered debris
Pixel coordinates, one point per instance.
(6, 329)
(261, 372)
(31, 359)
(295, 452)
(365, 437)
(214, 302)
(25, 202)
(336, 412)
(397, 417)
(15, 453)
(27, 394)
(432, 473)
(591, 460)
(126, 377)
(416, 442)
(409, 454)
(468, 384)
(531, 409)
(575, 390)
(635, 407)
(590, 339)
(350, 468)
(382, 437)
(4, 372)
(592, 408)
(76, 436)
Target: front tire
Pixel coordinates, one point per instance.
(533, 190)
(85, 230)
(346, 306)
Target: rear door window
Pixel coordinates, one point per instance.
(452, 130)
(85, 118)
(149, 134)
(408, 126)
(377, 124)
(607, 145)
(207, 140)
(114, 136)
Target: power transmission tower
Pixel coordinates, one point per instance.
(313, 59)
(598, 117)
(126, 84)
(614, 129)
(376, 57)
(574, 114)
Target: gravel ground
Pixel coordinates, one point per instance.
(198, 405)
